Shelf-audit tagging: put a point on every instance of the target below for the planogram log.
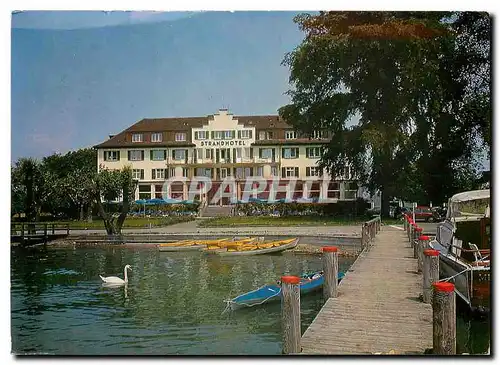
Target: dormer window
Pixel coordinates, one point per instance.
(137, 137)
(156, 137)
(180, 137)
(290, 135)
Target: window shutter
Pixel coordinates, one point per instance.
(283, 172)
(142, 155)
(251, 152)
(151, 155)
(296, 172)
(296, 153)
(308, 153)
(128, 153)
(153, 175)
(260, 152)
(118, 155)
(283, 153)
(239, 134)
(164, 154)
(233, 134)
(186, 155)
(250, 134)
(213, 134)
(165, 172)
(308, 171)
(142, 174)
(173, 154)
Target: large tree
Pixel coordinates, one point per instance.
(394, 90)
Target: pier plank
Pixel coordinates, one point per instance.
(378, 308)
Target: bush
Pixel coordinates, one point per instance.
(345, 209)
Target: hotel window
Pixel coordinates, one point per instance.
(265, 135)
(156, 137)
(289, 172)
(274, 171)
(228, 134)
(179, 155)
(136, 155)
(158, 174)
(138, 174)
(319, 134)
(290, 152)
(208, 154)
(158, 155)
(137, 137)
(171, 172)
(185, 172)
(180, 137)
(245, 134)
(199, 153)
(145, 191)
(313, 171)
(217, 134)
(313, 152)
(111, 155)
(265, 152)
(200, 135)
(259, 171)
(290, 135)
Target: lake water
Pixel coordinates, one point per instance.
(172, 304)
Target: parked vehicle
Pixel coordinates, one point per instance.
(463, 241)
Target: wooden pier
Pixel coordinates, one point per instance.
(35, 233)
(378, 309)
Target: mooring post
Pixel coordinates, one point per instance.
(330, 271)
(444, 337)
(423, 244)
(405, 221)
(417, 231)
(431, 273)
(290, 314)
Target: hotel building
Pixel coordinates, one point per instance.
(220, 147)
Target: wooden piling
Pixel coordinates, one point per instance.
(330, 271)
(423, 244)
(416, 234)
(430, 273)
(290, 314)
(444, 319)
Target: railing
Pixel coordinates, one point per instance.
(369, 231)
(27, 229)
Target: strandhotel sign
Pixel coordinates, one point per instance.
(223, 143)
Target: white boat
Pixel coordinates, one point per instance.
(463, 241)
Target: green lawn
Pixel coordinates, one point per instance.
(279, 221)
(136, 222)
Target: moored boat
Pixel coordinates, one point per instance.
(189, 245)
(269, 293)
(258, 248)
(463, 241)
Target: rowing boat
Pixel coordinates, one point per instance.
(189, 245)
(269, 293)
(258, 248)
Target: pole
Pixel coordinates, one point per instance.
(330, 270)
(423, 244)
(444, 336)
(290, 314)
(431, 273)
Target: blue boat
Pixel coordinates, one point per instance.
(268, 293)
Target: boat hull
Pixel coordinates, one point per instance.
(262, 251)
(272, 293)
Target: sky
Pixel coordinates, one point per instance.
(79, 76)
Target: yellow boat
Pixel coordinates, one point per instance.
(259, 248)
(189, 245)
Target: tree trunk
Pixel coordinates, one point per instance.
(89, 212)
(384, 203)
(82, 212)
(108, 221)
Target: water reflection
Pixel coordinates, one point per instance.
(172, 304)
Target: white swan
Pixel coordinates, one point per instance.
(116, 279)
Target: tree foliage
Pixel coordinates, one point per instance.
(406, 95)
(70, 184)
